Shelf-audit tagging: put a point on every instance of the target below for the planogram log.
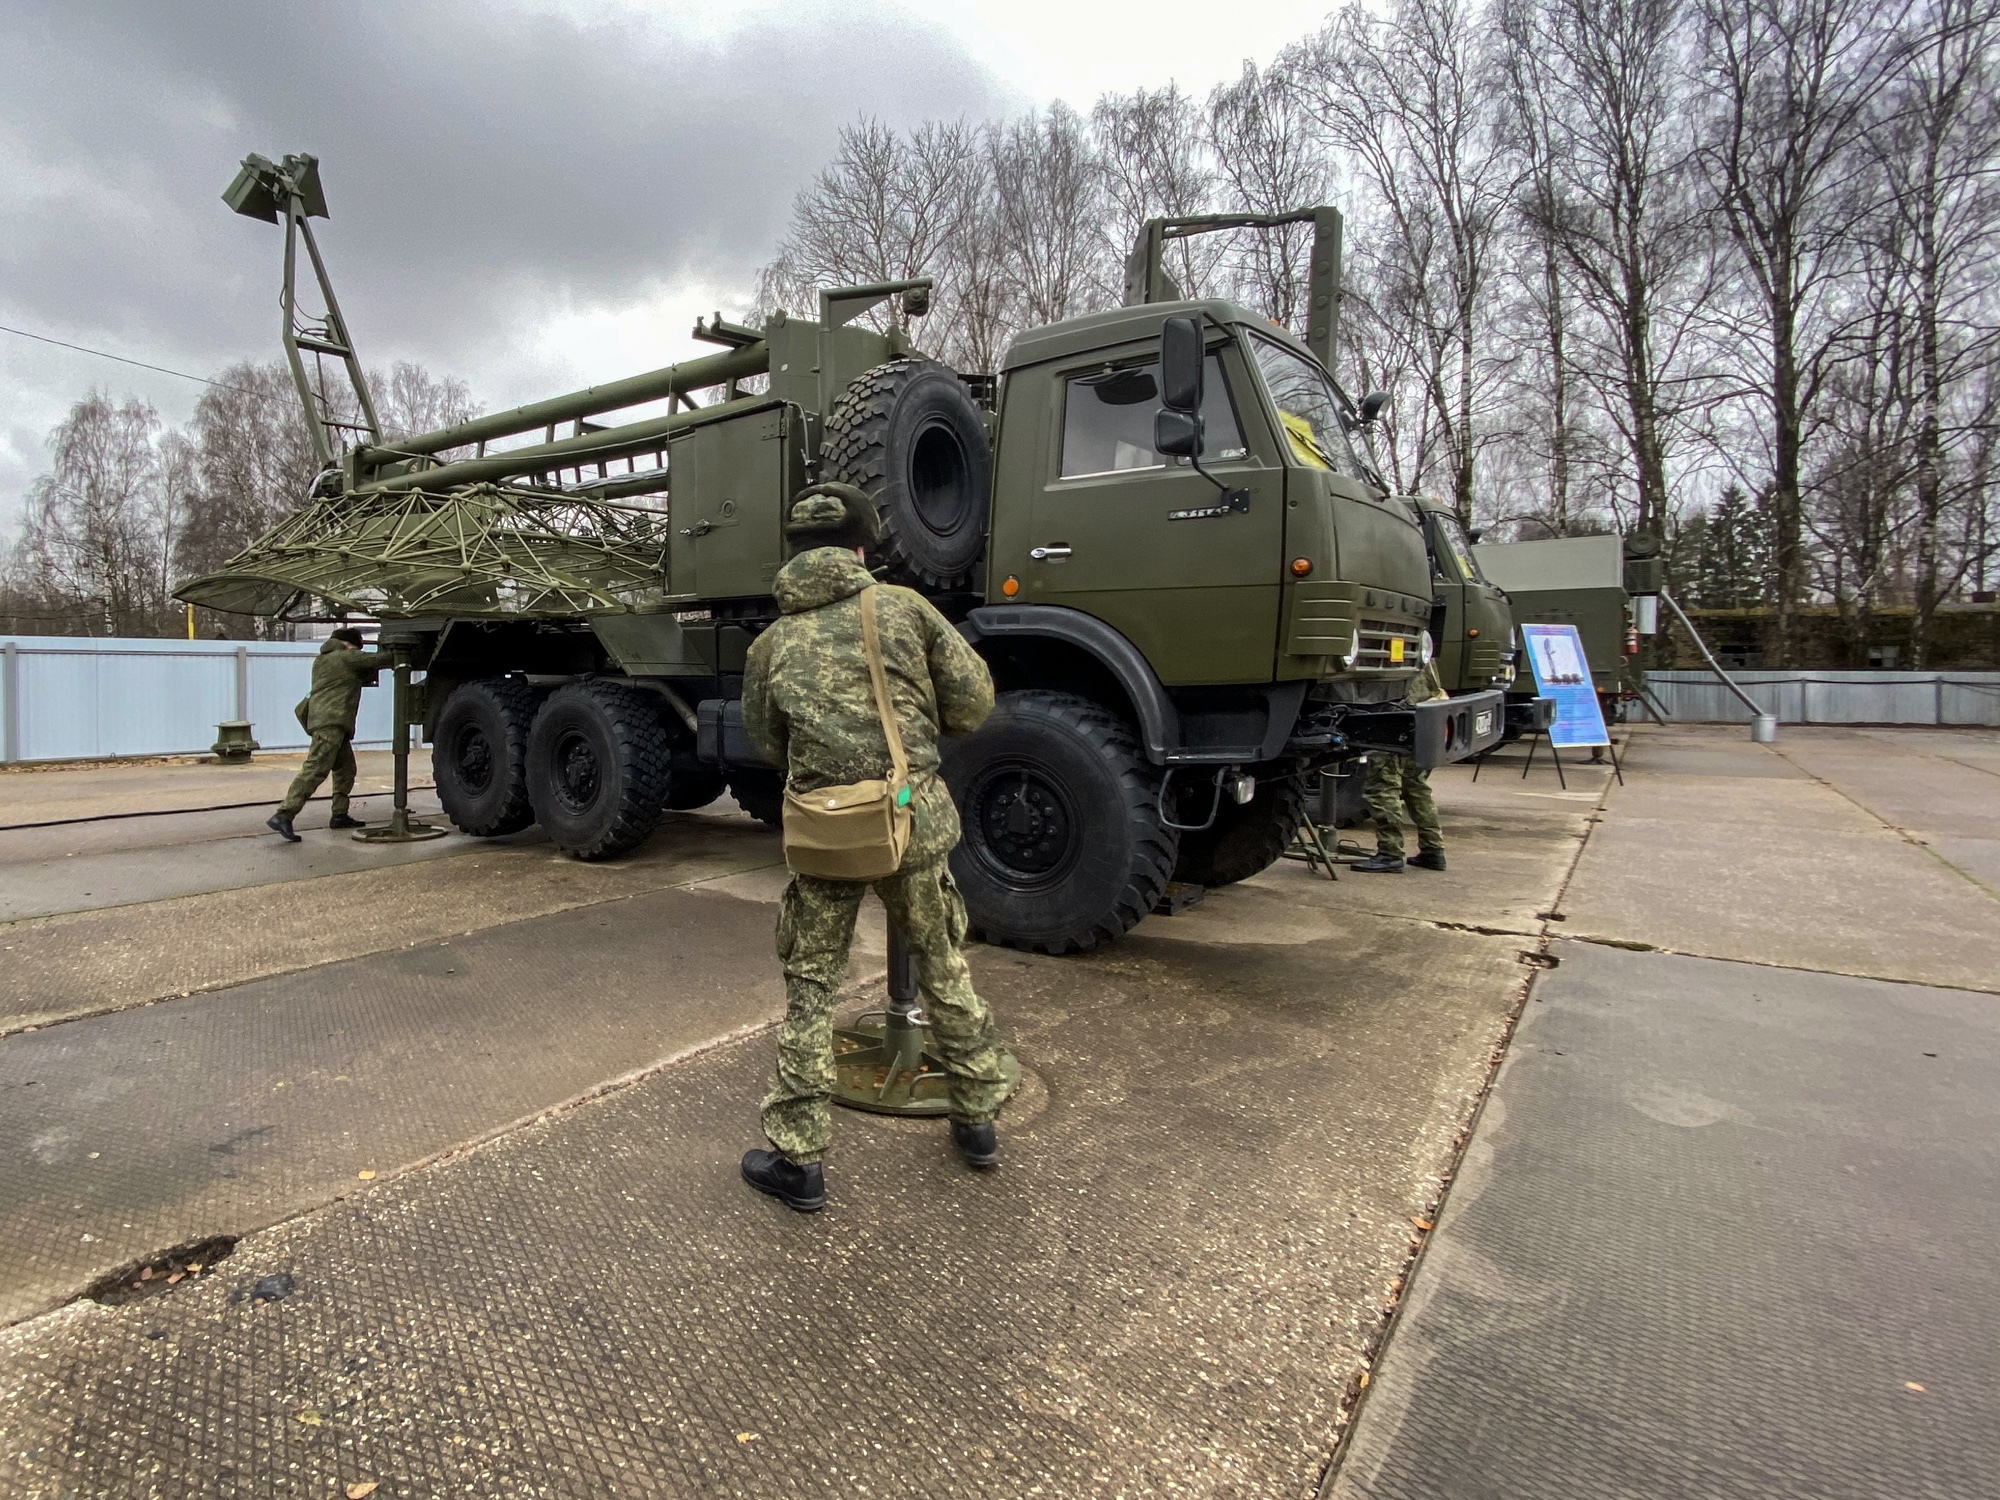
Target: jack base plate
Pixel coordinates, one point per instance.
(410, 833)
(888, 1068)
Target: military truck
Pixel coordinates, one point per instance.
(1604, 585)
(1470, 620)
(1150, 522)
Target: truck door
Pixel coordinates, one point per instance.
(1143, 542)
(1448, 617)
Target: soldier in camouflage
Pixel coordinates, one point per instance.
(340, 671)
(808, 706)
(1394, 782)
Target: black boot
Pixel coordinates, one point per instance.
(977, 1142)
(799, 1187)
(280, 823)
(1430, 859)
(1380, 864)
(342, 820)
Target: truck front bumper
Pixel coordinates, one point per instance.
(1432, 734)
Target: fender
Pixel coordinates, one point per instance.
(1159, 721)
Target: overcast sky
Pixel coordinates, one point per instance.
(532, 194)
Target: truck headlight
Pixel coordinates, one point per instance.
(1426, 651)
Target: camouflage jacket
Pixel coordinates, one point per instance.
(339, 675)
(1426, 685)
(808, 705)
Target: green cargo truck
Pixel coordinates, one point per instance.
(1151, 523)
(1604, 585)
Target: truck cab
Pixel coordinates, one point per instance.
(1470, 619)
(1270, 558)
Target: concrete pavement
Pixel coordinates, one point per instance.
(591, 1303)
(1727, 1224)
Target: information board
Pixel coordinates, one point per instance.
(1562, 674)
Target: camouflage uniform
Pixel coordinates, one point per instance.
(1395, 782)
(339, 674)
(808, 706)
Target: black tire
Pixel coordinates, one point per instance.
(1246, 838)
(479, 755)
(909, 434)
(598, 768)
(1062, 846)
(691, 782)
(759, 793)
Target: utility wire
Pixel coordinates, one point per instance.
(140, 363)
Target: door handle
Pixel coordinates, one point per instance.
(1054, 552)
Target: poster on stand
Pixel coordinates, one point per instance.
(1562, 673)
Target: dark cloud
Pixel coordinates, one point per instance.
(486, 166)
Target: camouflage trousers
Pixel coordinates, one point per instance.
(815, 928)
(1393, 783)
(332, 752)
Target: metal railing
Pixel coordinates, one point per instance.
(77, 698)
(1822, 697)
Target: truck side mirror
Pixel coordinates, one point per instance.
(1181, 360)
(1371, 406)
(1177, 433)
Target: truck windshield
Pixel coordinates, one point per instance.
(1307, 409)
(1451, 537)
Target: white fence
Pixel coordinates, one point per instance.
(1971, 698)
(72, 698)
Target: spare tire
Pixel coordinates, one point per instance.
(908, 434)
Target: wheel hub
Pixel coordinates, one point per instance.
(475, 761)
(1023, 823)
(938, 471)
(577, 774)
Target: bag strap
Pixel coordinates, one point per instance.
(871, 645)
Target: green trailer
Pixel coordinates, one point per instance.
(1603, 585)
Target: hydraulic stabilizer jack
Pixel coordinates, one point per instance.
(884, 1062)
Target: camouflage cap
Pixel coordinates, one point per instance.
(832, 515)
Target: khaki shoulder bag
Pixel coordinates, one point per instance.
(859, 831)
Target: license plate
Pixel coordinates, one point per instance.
(1395, 650)
(1482, 725)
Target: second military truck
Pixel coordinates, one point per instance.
(1153, 523)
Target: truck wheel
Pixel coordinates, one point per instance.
(759, 793)
(479, 754)
(909, 434)
(1062, 846)
(1247, 837)
(598, 763)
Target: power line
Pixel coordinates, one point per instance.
(140, 363)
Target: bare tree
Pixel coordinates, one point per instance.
(1407, 97)
(1791, 85)
(1049, 191)
(87, 542)
(1938, 153)
(1271, 161)
(1153, 151)
(1619, 209)
(410, 400)
(255, 465)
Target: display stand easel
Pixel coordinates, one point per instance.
(1617, 770)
